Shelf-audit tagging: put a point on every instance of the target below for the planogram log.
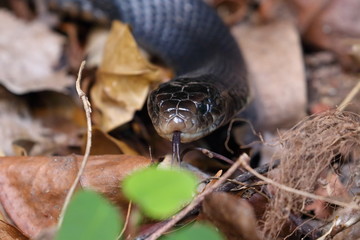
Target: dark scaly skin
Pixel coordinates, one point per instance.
(210, 86)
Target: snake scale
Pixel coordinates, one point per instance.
(210, 86)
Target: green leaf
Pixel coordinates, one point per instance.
(160, 192)
(90, 217)
(195, 232)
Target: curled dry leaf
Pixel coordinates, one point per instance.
(231, 11)
(39, 123)
(17, 124)
(332, 25)
(347, 224)
(232, 215)
(103, 143)
(33, 189)
(329, 187)
(124, 79)
(29, 53)
(258, 202)
(8, 232)
(63, 119)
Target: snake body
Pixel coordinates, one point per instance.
(210, 86)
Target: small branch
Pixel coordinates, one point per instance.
(299, 192)
(127, 219)
(208, 153)
(345, 218)
(349, 97)
(198, 199)
(244, 177)
(323, 237)
(87, 108)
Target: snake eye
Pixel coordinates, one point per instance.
(203, 108)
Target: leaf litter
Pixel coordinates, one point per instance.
(29, 62)
(32, 189)
(319, 155)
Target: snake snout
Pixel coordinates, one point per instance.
(177, 115)
(192, 109)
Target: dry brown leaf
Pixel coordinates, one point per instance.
(16, 123)
(8, 232)
(103, 143)
(63, 118)
(29, 53)
(332, 25)
(32, 189)
(215, 178)
(330, 187)
(232, 215)
(306, 11)
(258, 202)
(40, 123)
(231, 11)
(94, 49)
(124, 79)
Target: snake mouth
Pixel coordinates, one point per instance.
(187, 127)
(185, 137)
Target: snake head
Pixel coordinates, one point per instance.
(190, 107)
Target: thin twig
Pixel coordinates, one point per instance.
(349, 97)
(344, 219)
(245, 177)
(226, 144)
(296, 191)
(302, 226)
(198, 199)
(127, 219)
(323, 237)
(87, 108)
(208, 153)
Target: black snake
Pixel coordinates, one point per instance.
(210, 86)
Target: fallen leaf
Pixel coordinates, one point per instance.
(332, 25)
(124, 79)
(33, 189)
(8, 232)
(103, 143)
(63, 118)
(232, 215)
(17, 124)
(331, 187)
(230, 11)
(95, 46)
(40, 123)
(29, 54)
(214, 180)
